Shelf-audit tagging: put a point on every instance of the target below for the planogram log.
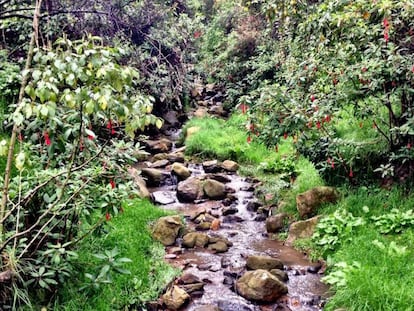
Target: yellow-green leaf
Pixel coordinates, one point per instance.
(20, 160)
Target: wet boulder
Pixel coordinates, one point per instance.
(163, 197)
(190, 283)
(180, 170)
(219, 244)
(211, 166)
(195, 239)
(155, 177)
(230, 166)
(189, 190)
(175, 297)
(157, 146)
(160, 163)
(166, 229)
(139, 182)
(218, 247)
(219, 177)
(260, 285)
(214, 189)
(203, 226)
(254, 262)
(253, 205)
(229, 210)
(177, 156)
(301, 229)
(276, 223)
(308, 202)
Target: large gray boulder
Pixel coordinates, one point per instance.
(157, 146)
(260, 285)
(301, 229)
(155, 177)
(180, 170)
(189, 190)
(276, 223)
(308, 202)
(175, 297)
(195, 239)
(230, 166)
(139, 182)
(166, 229)
(214, 189)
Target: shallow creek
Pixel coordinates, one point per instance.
(249, 237)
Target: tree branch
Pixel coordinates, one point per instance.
(15, 126)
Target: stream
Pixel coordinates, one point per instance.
(247, 233)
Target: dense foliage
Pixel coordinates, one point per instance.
(337, 76)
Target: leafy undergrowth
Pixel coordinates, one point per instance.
(283, 173)
(143, 276)
(368, 239)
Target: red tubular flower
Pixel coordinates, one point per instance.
(109, 125)
(386, 25)
(107, 216)
(249, 139)
(244, 108)
(351, 173)
(386, 35)
(313, 98)
(412, 69)
(285, 135)
(47, 139)
(112, 183)
(318, 125)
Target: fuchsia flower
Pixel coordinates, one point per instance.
(112, 183)
(47, 139)
(386, 25)
(318, 125)
(244, 108)
(107, 216)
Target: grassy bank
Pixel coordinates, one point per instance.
(367, 238)
(147, 275)
(228, 139)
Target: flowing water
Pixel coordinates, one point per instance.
(249, 237)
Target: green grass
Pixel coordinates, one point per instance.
(130, 233)
(227, 139)
(385, 279)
